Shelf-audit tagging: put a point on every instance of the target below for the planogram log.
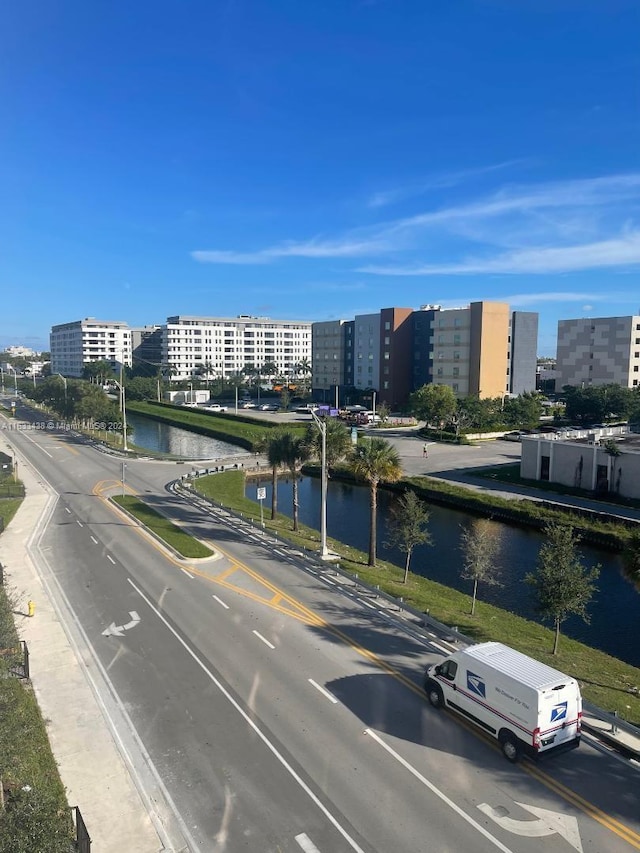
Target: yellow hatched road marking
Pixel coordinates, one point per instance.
(305, 615)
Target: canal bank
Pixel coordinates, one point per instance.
(608, 682)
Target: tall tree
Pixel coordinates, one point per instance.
(295, 453)
(375, 461)
(434, 404)
(408, 526)
(480, 543)
(274, 445)
(562, 585)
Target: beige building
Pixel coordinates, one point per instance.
(471, 349)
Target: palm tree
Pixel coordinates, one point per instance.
(338, 445)
(273, 444)
(295, 453)
(375, 461)
(303, 368)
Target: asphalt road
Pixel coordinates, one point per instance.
(280, 711)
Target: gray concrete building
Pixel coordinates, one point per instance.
(332, 359)
(523, 349)
(599, 351)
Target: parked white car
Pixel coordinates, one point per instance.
(216, 407)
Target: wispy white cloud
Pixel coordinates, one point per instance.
(434, 182)
(622, 251)
(553, 227)
(348, 247)
(224, 256)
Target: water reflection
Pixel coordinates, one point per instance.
(614, 610)
(163, 438)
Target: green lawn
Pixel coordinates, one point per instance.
(36, 815)
(605, 681)
(174, 536)
(243, 430)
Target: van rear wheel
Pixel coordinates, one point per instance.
(435, 696)
(510, 747)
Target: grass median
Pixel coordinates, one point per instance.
(186, 545)
(606, 681)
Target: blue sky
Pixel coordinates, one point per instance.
(314, 160)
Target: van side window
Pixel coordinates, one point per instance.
(448, 669)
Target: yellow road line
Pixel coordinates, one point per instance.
(305, 615)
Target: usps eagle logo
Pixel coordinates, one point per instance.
(476, 685)
(559, 712)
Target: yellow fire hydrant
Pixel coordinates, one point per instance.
(32, 608)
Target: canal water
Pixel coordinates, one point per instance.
(163, 438)
(614, 609)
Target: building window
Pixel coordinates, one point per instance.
(440, 371)
(456, 322)
(454, 386)
(387, 326)
(456, 371)
(635, 369)
(456, 356)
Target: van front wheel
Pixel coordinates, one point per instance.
(435, 696)
(510, 747)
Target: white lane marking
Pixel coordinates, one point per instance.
(548, 823)
(274, 751)
(186, 573)
(367, 603)
(94, 540)
(456, 808)
(328, 580)
(66, 509)
(383, 613)
(220, 601)
(79, 523)
(306, 843)
(109, 557)
(440, 648)
(264, 640)
(37, 445)
(323, 691)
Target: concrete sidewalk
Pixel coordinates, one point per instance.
(96, 777)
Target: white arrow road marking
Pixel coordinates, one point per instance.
(134, 620)
(118, 630)
(548, 823)
(113, 630)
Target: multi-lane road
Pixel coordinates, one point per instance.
(276, 709)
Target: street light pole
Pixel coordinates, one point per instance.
(322, 426)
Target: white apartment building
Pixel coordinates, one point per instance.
(225, 345)
(598, 351)
(80, 342)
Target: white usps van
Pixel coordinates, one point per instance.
(526, 705)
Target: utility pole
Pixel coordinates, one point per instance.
(322, 426)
